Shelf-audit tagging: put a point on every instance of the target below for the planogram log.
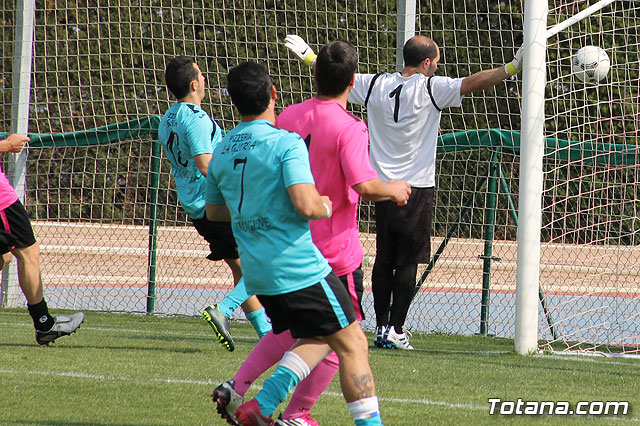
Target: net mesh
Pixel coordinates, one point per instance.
(591, 273)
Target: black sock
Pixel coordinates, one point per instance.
(403, 289)
(39, 312)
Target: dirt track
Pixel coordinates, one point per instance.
(117, 255)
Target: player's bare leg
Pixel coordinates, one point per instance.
(5, 259)
(352, 348)
(29, 272)
(356, 378)
(48, 328)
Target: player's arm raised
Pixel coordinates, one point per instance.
(376, 190)
(308, 202)
(485, 79)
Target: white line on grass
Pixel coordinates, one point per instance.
(473, 407)
(212, 383)
(103, 377)
(584, 358)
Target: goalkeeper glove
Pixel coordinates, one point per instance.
(515, 66)
(300, 47)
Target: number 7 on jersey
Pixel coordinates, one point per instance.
(242, 161)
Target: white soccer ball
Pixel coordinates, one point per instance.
(591, 64)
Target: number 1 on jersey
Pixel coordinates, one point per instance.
(396, 93)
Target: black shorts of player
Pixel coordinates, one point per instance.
(403, 233)
(15, 228)
(220, 237)
(319, 310)
(353, 283)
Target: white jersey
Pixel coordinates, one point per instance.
(404, 120)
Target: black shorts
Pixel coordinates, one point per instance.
(353, 283)
(403, 233)
(320, 310)
(15, 228)
(220, 237)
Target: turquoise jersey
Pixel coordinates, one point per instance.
(255, 164)
(187, 130)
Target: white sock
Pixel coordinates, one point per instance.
(293, 362)
(364, 408)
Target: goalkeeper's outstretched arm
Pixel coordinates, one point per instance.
(488, 78)
(476, 82)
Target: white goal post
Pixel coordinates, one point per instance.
(531, 180)
(16, 164)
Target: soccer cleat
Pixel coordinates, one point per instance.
(248, 414)
(396, 340)
(228, 401)
(378, 342)
(220, 325)
(305, 420)
(63, 326)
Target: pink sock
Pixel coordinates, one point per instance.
(269, 350)
(309, 390)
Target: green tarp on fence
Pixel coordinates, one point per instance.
(589, 152)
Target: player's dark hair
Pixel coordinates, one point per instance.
(249, 85)
(336, 63)
(179, 74)
(416, 50)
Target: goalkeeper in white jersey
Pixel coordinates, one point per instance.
(404, 110)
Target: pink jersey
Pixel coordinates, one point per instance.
(8, 195)
(338, 146)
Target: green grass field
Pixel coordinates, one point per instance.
(130, 370)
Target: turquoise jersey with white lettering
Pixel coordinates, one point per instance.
(187, 130)
(255, 164)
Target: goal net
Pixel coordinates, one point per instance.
(590, 262)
